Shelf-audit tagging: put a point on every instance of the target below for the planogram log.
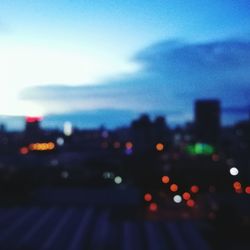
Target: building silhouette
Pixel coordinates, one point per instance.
(207, 121)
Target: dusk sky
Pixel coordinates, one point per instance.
(72, 56)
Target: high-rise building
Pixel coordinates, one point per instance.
(207, 121)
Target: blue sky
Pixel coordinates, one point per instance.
(136, 56)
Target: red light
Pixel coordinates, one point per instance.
(147, 197)
(153, 207)
(24, 150)
(237, 185)
(190, 203)
(165, 179)
(186, 196)
(31, 119)
(247, 189)
(174, 188)
(194, 189)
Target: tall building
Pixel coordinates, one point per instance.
(207, 121)
(32, 126)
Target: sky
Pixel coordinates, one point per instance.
(80, 56)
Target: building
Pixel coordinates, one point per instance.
(207, 121)
(32, 126)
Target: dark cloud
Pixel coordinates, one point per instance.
(173, 75)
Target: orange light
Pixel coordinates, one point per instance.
(147, 197)
(174, 188)
(159, 147)
(42, 146)
(24, 150)
(237, 185)
(165, 179)
(190, 203)
(129, 145)
(186, 196)
(194, 189)
(153, 207)
(51, 145)
(247, 189)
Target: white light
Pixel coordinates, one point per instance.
(234, 171)
(118, 180)
(60, 141)
(67, 129)
(177, 199)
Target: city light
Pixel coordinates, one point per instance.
(159, 147)
(108, 175)
(128, 148)
(67, 129)
(118, 179)
(24, 150)
(45, 146)
(153, 207)
(148, 197)
(174, 188)
(177, 199)
(237, 185)
(190, 203)
(200, 149)
(129, 145)
(234, 171)
(194, 189)
(165, 179)
(247, 190)
(60, 141)
(186, 196)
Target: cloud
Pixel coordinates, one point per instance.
(173, 74)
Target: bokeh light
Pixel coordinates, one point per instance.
(234, 171)
(194, 189)
(165, 179)
(159, 147)
(190, 203)
(153, 207)
(174, 188)
(177, 199)
(186, 196)
(148, 197)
